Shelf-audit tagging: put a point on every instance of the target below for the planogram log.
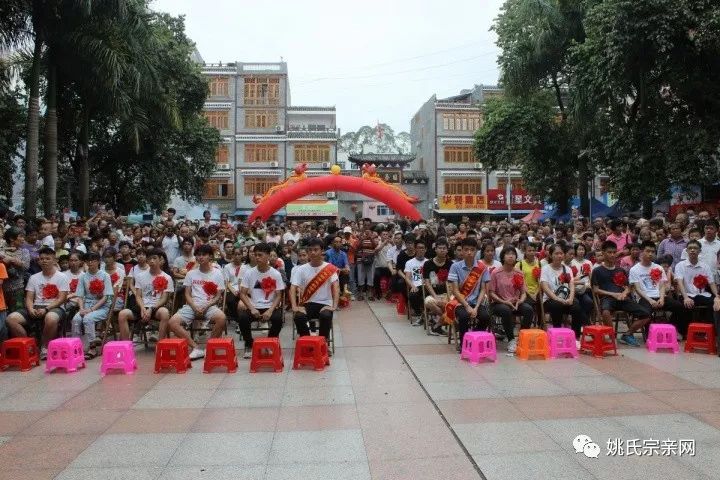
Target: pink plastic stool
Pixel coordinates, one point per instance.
(562, 341)
(65, 353)
(478, 345)
(118, 356)
(662, 335)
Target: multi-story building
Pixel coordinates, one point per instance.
(442, 135)
(263, 135)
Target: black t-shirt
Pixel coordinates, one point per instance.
(608, 279)
(402, 259)
(437, 274)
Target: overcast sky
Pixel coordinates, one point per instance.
(374, 60)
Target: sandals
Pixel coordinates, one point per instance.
(90, 354)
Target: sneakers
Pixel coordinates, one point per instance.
(438, 330)
(512, 346)
(43, 353)
(197, 353)
(247, 353)
(153, 338)
(628, 339)
(577, 344)
(417, 321)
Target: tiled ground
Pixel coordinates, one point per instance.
(394, 404)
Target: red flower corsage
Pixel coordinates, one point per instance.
(159, 284)
(189, 266)
(518, 281)
(655, 275)
(574, 270)
(564, 277)
(700, 282)
(210, 289)
(586, 269)
(96, 287)
(50, 291)
(620, 279)
(114, 278)
(268, 285)
(442, 275)
(536, 273)
(73, 285)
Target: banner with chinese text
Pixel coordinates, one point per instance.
(520, 200)
(462, 202)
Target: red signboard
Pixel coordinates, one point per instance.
(521, 200)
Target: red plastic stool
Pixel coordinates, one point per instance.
(267, 352)
(400, 304)
(20, 352)
(593, 340)
(172, 353)
(220, 352)
(701, 336)
(311, 350)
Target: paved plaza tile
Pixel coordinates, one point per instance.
(395, 403)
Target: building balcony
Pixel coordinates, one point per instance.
(326, 135)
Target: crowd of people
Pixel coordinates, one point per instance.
(68, 276)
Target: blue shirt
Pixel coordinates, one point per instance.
(459, 271)
(336, 257)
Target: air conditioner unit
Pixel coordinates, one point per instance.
(478, 165)
(278, 128)
(326, 165)
(274, 164)
(331, 195)
(223, 166)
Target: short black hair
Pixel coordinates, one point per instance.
(125, 243)
(469, 242)
(187, 240)
(420, 242)
(711, 222)
(11, 234)
(315, 242)
(203, 232)
(505, 251)
(262, 247)
(204, 250)
(647, 244)
(609, 245)
(172, 210)
(694, 242)
(110, 252)
(92, 256)
(440, 242)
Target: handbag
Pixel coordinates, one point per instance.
(562, 291)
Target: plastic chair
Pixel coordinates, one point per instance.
(561, 341)
(118, 355)
(311, 350)
(662, 335)
(21, 352)
(593, 340)
(532, 342)
(220, 352)
(172, 353)
(478, 345)
(701, 336)
(266, 352)
(65, 353)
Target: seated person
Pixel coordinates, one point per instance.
(233, 273)
(339, 258)
(413, 279)
(204, 287)
(651, 287)
(435, 274)
(508, 296)
(557, 281)
(397, 268)
(93, 296)
(467, 282)
(45, 293)
(694, 278)
(314, 291)
(610, 284)
(153, 288)
(261, 291)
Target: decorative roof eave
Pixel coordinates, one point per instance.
(260, 138)
(394, 159)
(456, 106)
(217, 105)
(265, 172)
(458, 140)
(303, 109)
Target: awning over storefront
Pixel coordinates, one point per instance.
(312, 208)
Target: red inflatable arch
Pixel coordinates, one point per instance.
(335, 183)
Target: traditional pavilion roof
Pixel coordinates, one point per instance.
(414, 177)
(384, 160)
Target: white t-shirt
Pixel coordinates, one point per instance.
(552, 277)
(79, 246)
(48, 241)
(38, 283)
(234, 274)
(414, 267)
(640, 277)
(196, 280)
(171, 247)
(117, 277)
(686, 272)
(144, 282)
(581, 288)
(136, 270)
(182, 263)
(291, 236)
(83, 290)
(393, 252)
(301, 276)
(253, 280)
(73, 279)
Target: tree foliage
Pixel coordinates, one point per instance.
(367, 140)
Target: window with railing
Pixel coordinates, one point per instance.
(217, 118)
(261, 118)
(218, 189)
(463, 121)
(515, 184)
(463, 186)
(262, 90)
(219, 86)
(222, 154)
(261, 152)
(458, 155)
(312, 153)
(258, 185)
